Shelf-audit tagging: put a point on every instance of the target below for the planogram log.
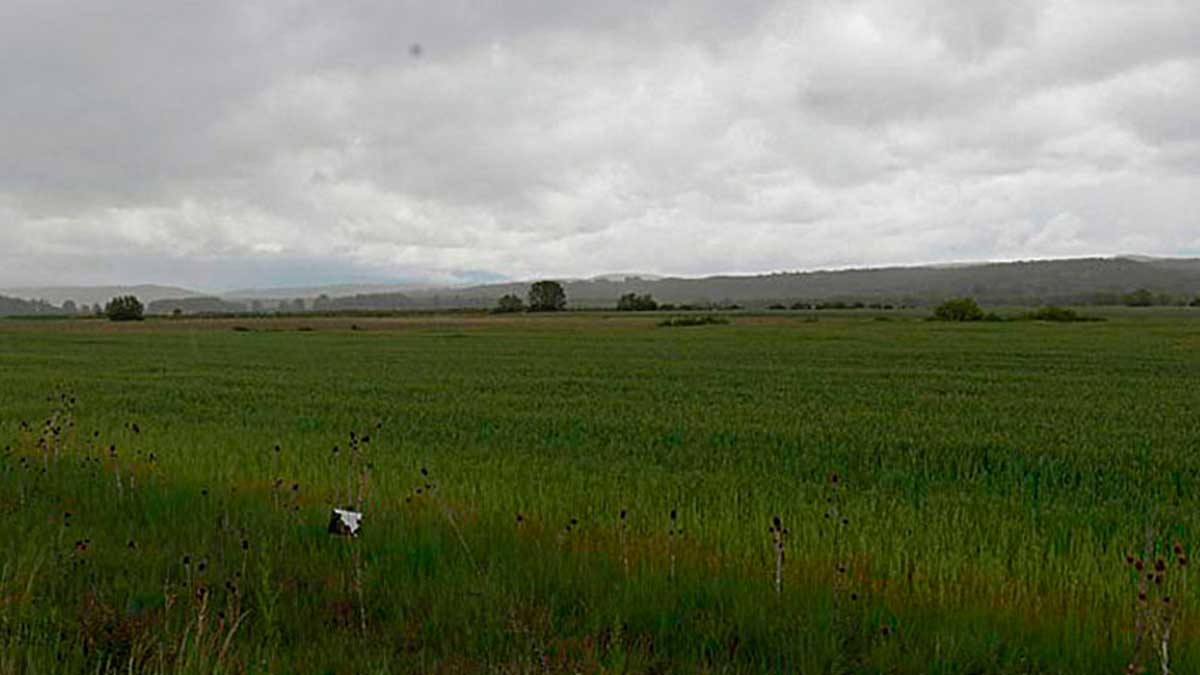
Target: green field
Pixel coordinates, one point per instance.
(990, 481)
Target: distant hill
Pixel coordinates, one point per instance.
(19, 307)
(311, 292)
(1075, 281)
(1082, 281)
(90, 295)
(195, 305)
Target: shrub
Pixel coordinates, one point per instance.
(1059, 314)
(683, 321)
(1139, 298)
(632, 302)
(124, 308)
(509, 304)
(959, 309)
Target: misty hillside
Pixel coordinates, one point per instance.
(91, 295)
(1085, 281)
(19, 307)
(1081, 281)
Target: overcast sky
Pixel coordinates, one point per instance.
(224, 144)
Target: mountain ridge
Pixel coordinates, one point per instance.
(1095, 280)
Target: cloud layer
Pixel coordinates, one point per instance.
(221, 145)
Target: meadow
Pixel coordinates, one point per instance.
(600, 493)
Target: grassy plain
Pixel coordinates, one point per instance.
(990, 481)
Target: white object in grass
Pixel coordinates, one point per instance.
(345, 522)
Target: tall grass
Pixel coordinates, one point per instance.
(596, 495)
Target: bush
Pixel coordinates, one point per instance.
(509, 304)
(632, 302)
(706, 320)
(959, 309)
(124, 308)
(1059, 314)
(1139, 298)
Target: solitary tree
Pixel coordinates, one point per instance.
(510, 304)
(124, 308)
(69, 307)
(547, 296)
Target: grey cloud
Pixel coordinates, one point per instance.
(228, 144)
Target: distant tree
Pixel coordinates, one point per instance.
(632, 302)
(124, 308)
(510, 304)
(547, 296)
(322, 303)
(959, 309)
(177, 312)
(98, 310)
(298, 305)
(69, 307)
(1139, 298)
(1195, 302)
(256, 306)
